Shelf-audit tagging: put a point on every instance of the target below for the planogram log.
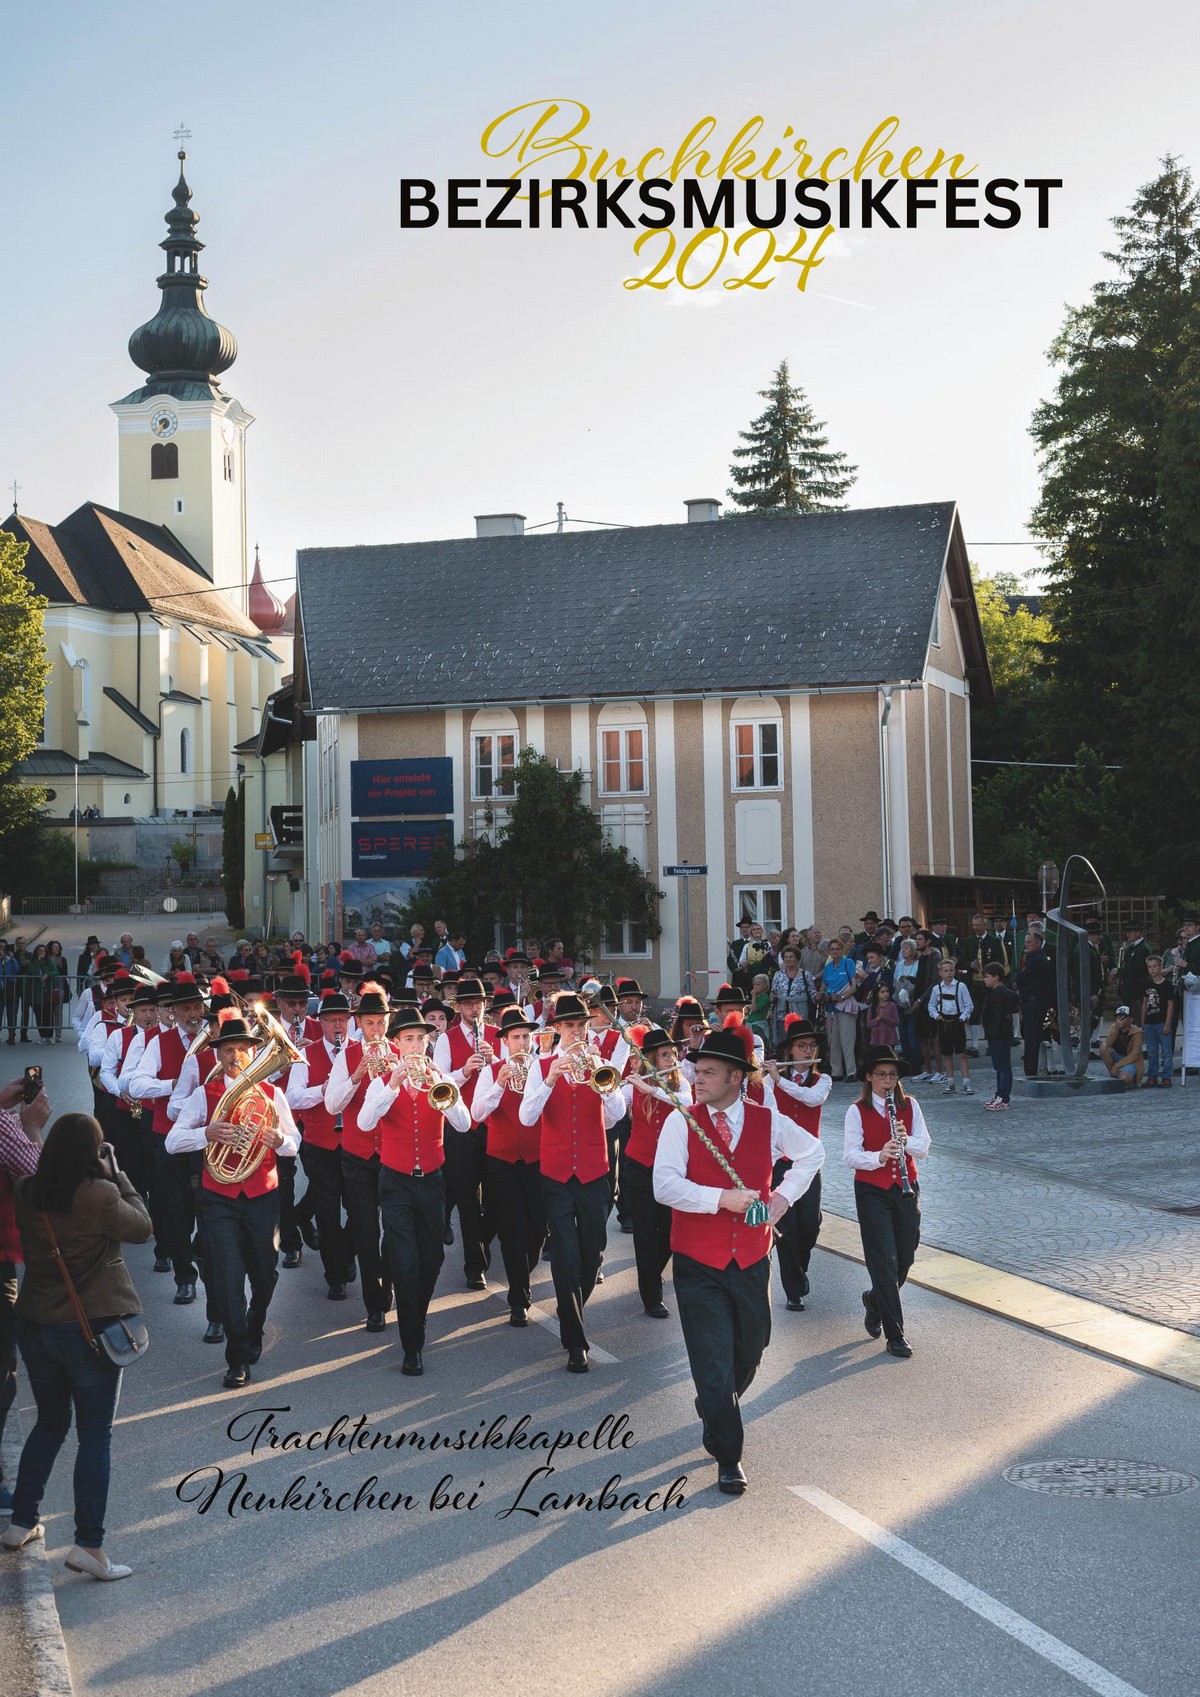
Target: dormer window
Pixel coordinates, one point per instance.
(164, 459)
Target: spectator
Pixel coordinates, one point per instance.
(1035, 985)
(759, 1012)
(906, 931)
(377, 940)
(1121, 1051)
(41, 973)
(83, 967)
(210, 960)
(792, 991)
(1000, 1004)
(883, 1018)
(60, 989)
(841, 1009)
(906, 994)
(20, 1124)
(10, 989)
(176, 959)
(448, 957)
(124, 949)
(1132, 973)
(736, 949)
(25, 986)
(93, 1209)
(949, 1005)
(1157, 1002)
(927, 976)
(813, 953)
(416, 938)
(361, 949)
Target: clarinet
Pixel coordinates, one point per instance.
(898, 1134)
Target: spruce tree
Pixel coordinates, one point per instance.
(787, 463)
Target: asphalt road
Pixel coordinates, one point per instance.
(711, 1594)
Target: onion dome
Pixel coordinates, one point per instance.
(266, 610)
(182, 349)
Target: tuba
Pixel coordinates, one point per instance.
(247, 1106)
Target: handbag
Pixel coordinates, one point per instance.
(123, 1340)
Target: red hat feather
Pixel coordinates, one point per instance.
(637, 1034)
(218, 986)
(372, 989)
(228, 1014)
(735, 1021)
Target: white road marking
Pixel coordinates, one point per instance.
(550, 1321)
(1042, 1643)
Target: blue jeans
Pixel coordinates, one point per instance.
(1000, 1054)
(63, 1371)
(910, 1042)
(1160, 1051)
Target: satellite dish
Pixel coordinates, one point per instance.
(170, 904)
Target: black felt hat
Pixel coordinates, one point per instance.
(882, 1054)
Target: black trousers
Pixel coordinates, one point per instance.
(324, 1169)
(651, 1231)
(726, 1318)
(519, 1214)
(8, 1344)
(172, 1176)
(414, 1220)
(125, 1135)
(890, 1223)
(796, 1235)
(618, 1136)
(154, 1160)
(1033, 1034)
(360, 1182)
(242, 1236)
(289, 1231)
(190, 1171)
(466, 1190)
(577, 1215)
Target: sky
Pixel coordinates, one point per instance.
(403, 381)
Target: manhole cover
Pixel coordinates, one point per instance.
(1076, 1478)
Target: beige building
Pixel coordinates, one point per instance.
(161, 662)
(784, 700)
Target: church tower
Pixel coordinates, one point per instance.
(182, 437)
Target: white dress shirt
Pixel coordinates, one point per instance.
(190, 1127)
(145, 1082)
(380, 1096)
(98, 1038)
(537, 1094)
(110, 1061)
(684, 1094)
(339, 1091)
(133, 1056)
(300, 1093)
(674, 1189)
(853, 1153)
(189, 1079)
(812, 1095)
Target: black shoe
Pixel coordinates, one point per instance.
(448, 1237)
(659, 1311)
(236, 1378)
(162, 1265)
(185, 1294)
(337, 1293)
(308, 1231)
(871, 1318)
(292, 1258)
(377, 1322)
(518, 1317)
(600, 1276)
(626, 1226)
(899, 1346)
(412, 1363)
(731, 1480)
(477, 1283)
(546, 1253)
(577, 1361)
(254, 1350)
(795, 1305)
(215, 1332)
(705, 1435)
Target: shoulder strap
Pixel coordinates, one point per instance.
(84, 1327)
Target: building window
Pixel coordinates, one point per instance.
(185, 751)
(179, 506)
(935, 636)
(627, 828)
(85, 693)
(756, 748)
(761, 904)
(493, 764)
(626, 940)
(164, 459)
(623, 761)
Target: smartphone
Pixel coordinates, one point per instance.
(33, 1083)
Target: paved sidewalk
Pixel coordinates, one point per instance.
(1078, 1194)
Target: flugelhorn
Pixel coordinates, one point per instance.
(584, 1066)
(442, 1094)
(379, 1056)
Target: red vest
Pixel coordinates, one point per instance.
(356, 1142)
(606, 1042)
(574, 1140)
(755, 1093)
(462, 1047)
(809, 1118)
(648, 1115)
(717, 1239)
(507, 1138)
(265, 1177)
(317, 1124)
(410, 1135)
(875, 1135)
(171, 1050)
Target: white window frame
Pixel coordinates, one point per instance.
(623, 733)
(627, 952)
(495, 793)
(756, 725)
(757, 891)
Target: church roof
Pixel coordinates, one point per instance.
(55, 763)
(100, 558)
(735, 606)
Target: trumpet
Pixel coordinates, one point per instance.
(442, 1094)
(585, 1066)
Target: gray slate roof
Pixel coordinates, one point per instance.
(733, 606)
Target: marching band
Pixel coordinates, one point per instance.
(531, 1113)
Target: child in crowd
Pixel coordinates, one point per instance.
(883, 1019)
(1122, 1051)
(1157, 1001)
(949, 1005)
(760, 1001)
(1000, 1002)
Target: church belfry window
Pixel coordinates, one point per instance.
(164, 459)
(228, 467)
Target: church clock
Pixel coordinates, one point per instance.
(163, 424)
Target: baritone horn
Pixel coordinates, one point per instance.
(246, 1106)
